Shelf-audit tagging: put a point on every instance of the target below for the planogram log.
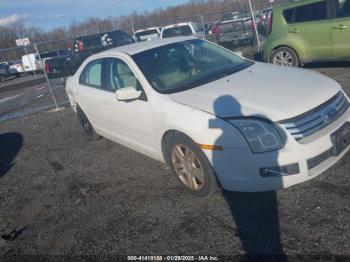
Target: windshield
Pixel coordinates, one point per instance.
(184, 65)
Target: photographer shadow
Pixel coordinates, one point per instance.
(10, 145)
(254, 214)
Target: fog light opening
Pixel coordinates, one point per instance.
(280, 171)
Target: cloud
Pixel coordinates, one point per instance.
(12, 19)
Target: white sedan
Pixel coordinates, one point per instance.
(216, 118)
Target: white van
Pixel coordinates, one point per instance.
(31, 62)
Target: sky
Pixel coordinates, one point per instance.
(49, 14)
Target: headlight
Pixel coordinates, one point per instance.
(262, 136)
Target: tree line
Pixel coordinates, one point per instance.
(210, 9)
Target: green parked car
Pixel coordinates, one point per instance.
(308, 31)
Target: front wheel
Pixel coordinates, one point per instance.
(191, 166)
(284, 56)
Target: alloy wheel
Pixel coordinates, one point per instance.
(187, 167)
(283, 58)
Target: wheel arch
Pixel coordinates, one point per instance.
(79, 110)
(173, 132)
(165, 138)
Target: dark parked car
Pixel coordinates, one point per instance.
(209, 27)
(235, 28)
(263, 21)
(66, 64)
(102, 41)
(6, 72)
(58, 63)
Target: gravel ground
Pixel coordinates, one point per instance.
(64, 196)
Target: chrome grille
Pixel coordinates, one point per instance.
(311, 122)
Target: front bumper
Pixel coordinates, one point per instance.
(240, 170)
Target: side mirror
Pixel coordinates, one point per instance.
(127, 93)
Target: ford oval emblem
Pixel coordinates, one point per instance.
(333, 112)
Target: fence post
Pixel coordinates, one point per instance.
(47, 78)
(203, 28)
(132, 27)
(254, 23)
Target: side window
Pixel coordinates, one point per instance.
(289, 15)
(344, 8)
(92, 74)
(306, 13)
(119, 75)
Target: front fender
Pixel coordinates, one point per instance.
(200, 126)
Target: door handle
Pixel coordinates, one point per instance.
(294, 31)
(341, 27)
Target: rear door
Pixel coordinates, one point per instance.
(309, 26)
(341, 30)
(90, 93)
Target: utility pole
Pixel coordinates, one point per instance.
(254, 23)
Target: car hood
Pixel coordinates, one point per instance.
(263, 90)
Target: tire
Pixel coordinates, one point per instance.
(2, 79)
(284, 56)
(89, 131)
(207, 182)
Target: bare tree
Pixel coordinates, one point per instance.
(157, 17)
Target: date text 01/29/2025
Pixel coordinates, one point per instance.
(172, 258)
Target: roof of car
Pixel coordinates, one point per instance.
(99, 34)
(146, 29)
(135, 48)
(178, 24)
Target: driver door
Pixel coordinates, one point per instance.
(129, 122)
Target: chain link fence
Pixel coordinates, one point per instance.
(32, 78)
(23, 87)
